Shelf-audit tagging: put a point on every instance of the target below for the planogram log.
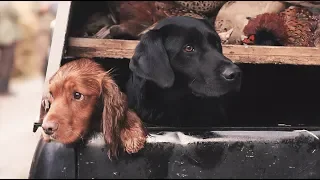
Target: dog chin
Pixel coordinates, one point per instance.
(206, 92)
(207, 95)
(55, 138)
(68, 140)
(199, 94)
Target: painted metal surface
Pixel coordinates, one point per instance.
(219, 154)
(58, 39)
(53, 160)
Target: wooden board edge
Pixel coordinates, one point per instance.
(111, 48)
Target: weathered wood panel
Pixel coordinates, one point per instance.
(87, 47)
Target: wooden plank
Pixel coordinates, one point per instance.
(87, 47)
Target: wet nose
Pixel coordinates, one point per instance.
(231, 73)
(49, 127)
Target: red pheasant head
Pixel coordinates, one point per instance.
(266, 29)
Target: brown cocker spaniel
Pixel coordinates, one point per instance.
(83, 99)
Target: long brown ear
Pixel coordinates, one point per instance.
(133, 133)
(114, 114)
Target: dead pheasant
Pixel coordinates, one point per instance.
(317, 32)
(266, 29)
(293, 27)
(203, 7)
(136, 17)
(300, 24)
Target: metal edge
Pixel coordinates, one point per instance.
(57, 44)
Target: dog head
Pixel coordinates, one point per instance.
(187, 50)
(75, 91)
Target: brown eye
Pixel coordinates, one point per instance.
(188, 48)
(77, 96)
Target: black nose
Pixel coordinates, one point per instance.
(231, 73)
(49, 127)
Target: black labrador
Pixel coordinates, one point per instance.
(179, 75)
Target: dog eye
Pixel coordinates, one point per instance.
(188, 48)
(78, 96)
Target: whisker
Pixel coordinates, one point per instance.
(78, 134)
(68, 138)
(111, 72)
(193, 80)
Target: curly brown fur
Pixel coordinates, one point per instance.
(82, 93)
(268, 29)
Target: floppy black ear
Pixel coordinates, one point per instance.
(150, 60)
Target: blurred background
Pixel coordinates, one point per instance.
(26, 29)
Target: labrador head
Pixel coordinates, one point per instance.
(188, 51)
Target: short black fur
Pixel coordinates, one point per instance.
(179, 75)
